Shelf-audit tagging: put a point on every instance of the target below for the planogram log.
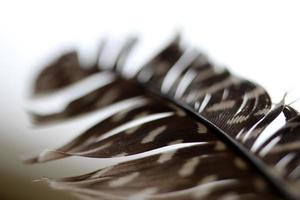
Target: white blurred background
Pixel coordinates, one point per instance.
(256, 39)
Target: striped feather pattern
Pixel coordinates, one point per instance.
(189, 121)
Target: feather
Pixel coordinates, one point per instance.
(212, 120)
